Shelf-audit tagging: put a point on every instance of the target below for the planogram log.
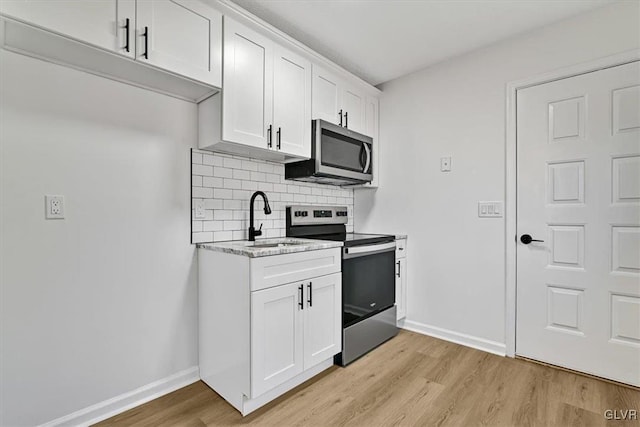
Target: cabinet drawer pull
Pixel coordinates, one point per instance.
(126, 27)
(346, 120)
(310, 290)
(301, 297)
(398, 273)
(146, 43)
(279, 136)
(269, 131)
(340, 113)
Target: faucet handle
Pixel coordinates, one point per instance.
(258, 232)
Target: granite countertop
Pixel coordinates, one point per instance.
(269, 247)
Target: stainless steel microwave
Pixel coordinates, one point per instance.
(339, 156)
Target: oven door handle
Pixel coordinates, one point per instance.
(358, 251)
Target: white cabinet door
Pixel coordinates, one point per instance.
(353, 103)
(322, 319)
(99, 22)
(276, 336)
(183, 36)
(371, 117)
(326, 93)
(247, 103)
(291, 103)
(401, 288)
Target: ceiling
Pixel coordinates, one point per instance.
(379, 40)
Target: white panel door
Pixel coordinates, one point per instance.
(578, 291)
(183, 36)
(353, 103)
(102, 23)
(291, 103)
(326, 96)
(322, 319)
(401, 288)
(247, 97)
(276, 336)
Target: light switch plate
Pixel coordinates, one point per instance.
(445, 164)
(490, 209)
(198, 207)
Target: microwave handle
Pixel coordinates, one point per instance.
(368, 150)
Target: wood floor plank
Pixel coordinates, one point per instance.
(412, 380)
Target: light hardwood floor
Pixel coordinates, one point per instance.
(410, 380)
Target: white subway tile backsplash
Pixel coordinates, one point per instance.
(234, 184)
(222, 172)
(241, 174)
(212, 182)
(201, 192)
(226, 184)
(202, 170)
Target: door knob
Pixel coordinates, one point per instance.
(526, 239)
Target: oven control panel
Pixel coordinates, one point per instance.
(317, 215)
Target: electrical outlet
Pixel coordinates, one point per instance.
(198, 206)
(54, 207)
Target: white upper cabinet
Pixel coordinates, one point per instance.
(248, 86)
(181, 36)
(102, 23)
(326, 96)
(267, 95)
(337, 102)
(353, 103)
(292, 103)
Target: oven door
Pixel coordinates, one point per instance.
(368, 281)
(342, 152)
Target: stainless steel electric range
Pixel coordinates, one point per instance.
(368, 277)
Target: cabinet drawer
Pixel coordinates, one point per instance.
(401, 248)
(279, 269)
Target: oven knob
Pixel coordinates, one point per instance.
(297, 213)
(304, 213)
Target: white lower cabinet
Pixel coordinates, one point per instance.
(401, 279)
(267, 324)
(293, 328)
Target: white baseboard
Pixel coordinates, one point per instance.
(116, 405)
(456, 337)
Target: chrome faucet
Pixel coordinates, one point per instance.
(267, 210)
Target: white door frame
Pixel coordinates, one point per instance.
(511, 173)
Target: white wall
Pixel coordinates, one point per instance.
(457, 108)
(104, 301)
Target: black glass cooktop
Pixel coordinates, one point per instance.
(355, 239)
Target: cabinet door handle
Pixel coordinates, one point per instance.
(269, 131)
(398, 264)
(346, 120)
(300, 303)
(310, 290)
(146, 43)
(126, 34)
(279, 136)
(340, 113)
